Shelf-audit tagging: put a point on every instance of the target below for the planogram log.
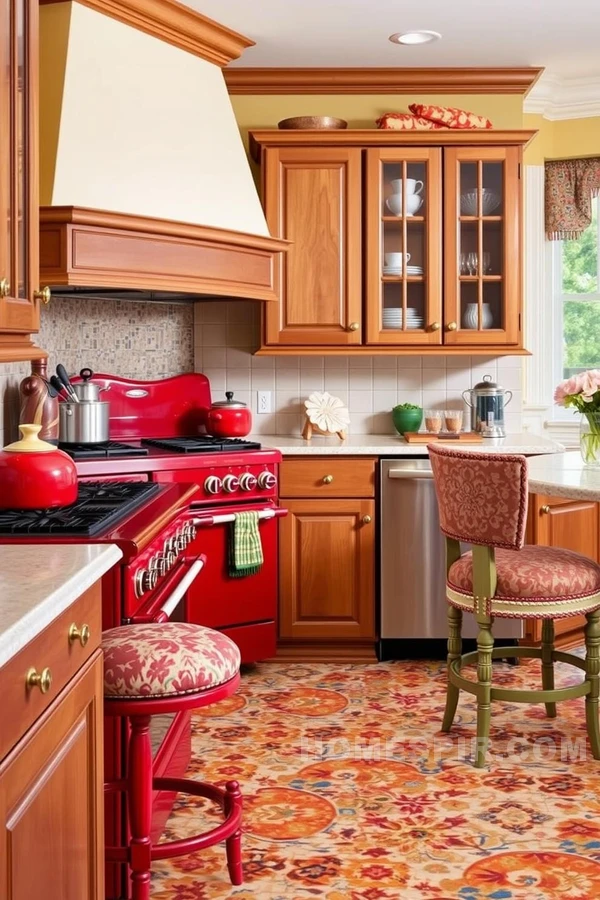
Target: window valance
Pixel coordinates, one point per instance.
(570, 186)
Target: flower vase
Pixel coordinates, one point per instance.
(589, 438)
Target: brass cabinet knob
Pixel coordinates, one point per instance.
(327, 479)
(366, 520)
(42, 679)
(82, 634)
(435, 326)
(4, 287)
(43, 294)
(545, 509)
(452, 326)
(354, 326)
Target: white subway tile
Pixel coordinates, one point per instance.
(360, 362)
(211, 311)
(214, 335)
(217, 378)
(384, 380)
(288, 423)
(409, 362)
(289, 401)
(361, 423)
(241, 336)
(434, 380)
(336, 362)
(360, 401)
(311, 380)
(382, 423)
(287, 362)
(360, 379)
(262, 380)
(458, 380)
(384, 401)
(458, 362)
(434, 362)
(511, 379)
(312, 362)
(385, 362)
(509, 362)
(336, 380)
(414, 396)
(214, 357)
(434, 399)
(241, 311)
(238, 380)
(287, 379)
(263, 362)
(239, 357)
(409, 379)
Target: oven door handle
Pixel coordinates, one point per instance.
(269, 513)
(164, 613)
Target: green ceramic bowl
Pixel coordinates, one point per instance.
(407, 419)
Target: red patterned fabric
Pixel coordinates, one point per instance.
(406, 122)
(451, 116)
(535, 574)
(166, 659)
(482, 498)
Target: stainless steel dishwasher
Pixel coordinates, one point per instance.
(412, 565)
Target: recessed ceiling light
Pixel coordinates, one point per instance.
(414, 37)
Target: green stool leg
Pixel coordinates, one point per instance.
(485, 645)
(548, 664)
(454, 652)
(592, 672)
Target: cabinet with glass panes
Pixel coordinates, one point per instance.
(439, 240)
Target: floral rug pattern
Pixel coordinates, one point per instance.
(352, 793)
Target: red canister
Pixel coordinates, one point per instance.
(229, 418)
(35, 474)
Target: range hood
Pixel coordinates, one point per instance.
(145, 189)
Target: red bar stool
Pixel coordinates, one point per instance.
(483, 501)
(157, 669)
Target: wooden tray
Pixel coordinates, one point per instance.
(422, 437)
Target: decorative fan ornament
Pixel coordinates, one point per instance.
(325, 415)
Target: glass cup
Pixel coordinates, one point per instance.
(433, 420)
(453, 419)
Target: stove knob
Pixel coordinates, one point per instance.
(170, 545)
(191, 531)
(247, 481)
(181, 540)
(145, 580)
(230, 484)
(171, 558)
(162, 564)
(266, 480)
(213, 485)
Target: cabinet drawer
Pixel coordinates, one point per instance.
(54, 650)
(327, 477)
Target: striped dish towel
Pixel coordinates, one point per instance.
(245, 548)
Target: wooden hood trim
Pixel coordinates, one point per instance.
(176, 24)
(244, 80)
(99, 249)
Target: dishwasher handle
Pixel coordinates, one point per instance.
(410, 473)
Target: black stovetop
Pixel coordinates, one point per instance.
(105, 450)
(99, 506)
(203, 443)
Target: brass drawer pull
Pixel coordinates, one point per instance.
(366, 520)
(435, 326)
(545, 509)
(43, 294)
(452, 326)
(42, 679)
(82, 635)
(327, 479)
(354, 326)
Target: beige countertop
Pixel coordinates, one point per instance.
(39, 581)
(395, 445)
(564, 475)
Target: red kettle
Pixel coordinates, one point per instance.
(229, 418)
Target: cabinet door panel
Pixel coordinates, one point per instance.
(327, 569)
(51, 800)
(313, 198)
(403, 246)
(482, 262)
(19, 214)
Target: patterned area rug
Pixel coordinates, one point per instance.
(352, 793)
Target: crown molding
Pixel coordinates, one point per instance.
(244, 80)
(564, 98)
(176, 24)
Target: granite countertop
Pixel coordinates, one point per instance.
(395, 445)
(39, 581)
(564, 476)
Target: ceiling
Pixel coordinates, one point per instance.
(557, 34)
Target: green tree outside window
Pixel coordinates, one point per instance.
(581, 318)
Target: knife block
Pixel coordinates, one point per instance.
(37, 406)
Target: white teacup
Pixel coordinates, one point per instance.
(394, 204)
(411, 186)
(395, 260)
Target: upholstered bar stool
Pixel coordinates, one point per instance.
(483, 501)
(157, 669)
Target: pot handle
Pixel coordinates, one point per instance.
(510, 393)
(217, 416)
(466, 398)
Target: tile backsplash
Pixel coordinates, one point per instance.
(225, 335)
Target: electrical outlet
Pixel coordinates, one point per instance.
(263, 401)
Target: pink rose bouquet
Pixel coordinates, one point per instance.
(582, 392)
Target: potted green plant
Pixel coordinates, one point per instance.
(407, 417)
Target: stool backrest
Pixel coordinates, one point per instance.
(482, 497)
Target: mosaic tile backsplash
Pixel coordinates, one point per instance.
(155, 340)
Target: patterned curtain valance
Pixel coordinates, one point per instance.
(570, 186)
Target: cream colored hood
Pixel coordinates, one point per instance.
(132, 125)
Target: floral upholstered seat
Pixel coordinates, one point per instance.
(166, 659)
(565, 582)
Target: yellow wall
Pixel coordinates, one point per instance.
(562, 139)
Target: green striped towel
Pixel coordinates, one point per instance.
(245, 548)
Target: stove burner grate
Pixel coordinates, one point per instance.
(102, 451)
(201, 444)
(99, 506)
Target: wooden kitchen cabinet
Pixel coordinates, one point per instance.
(573, 525)
(327, 561)
(19, 222)
(51, 763)
(346, 199)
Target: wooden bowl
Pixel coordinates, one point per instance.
(312, 122)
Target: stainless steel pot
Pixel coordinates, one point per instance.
(487, 401)
(88, 389)
(86, 422)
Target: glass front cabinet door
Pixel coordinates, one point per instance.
(19, 239)
(404, 246)
(482, 214)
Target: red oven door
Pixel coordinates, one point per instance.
(244, 608)
(170, 603)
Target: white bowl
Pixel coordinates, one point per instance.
(489, 202)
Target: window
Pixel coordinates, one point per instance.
(577, 292)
